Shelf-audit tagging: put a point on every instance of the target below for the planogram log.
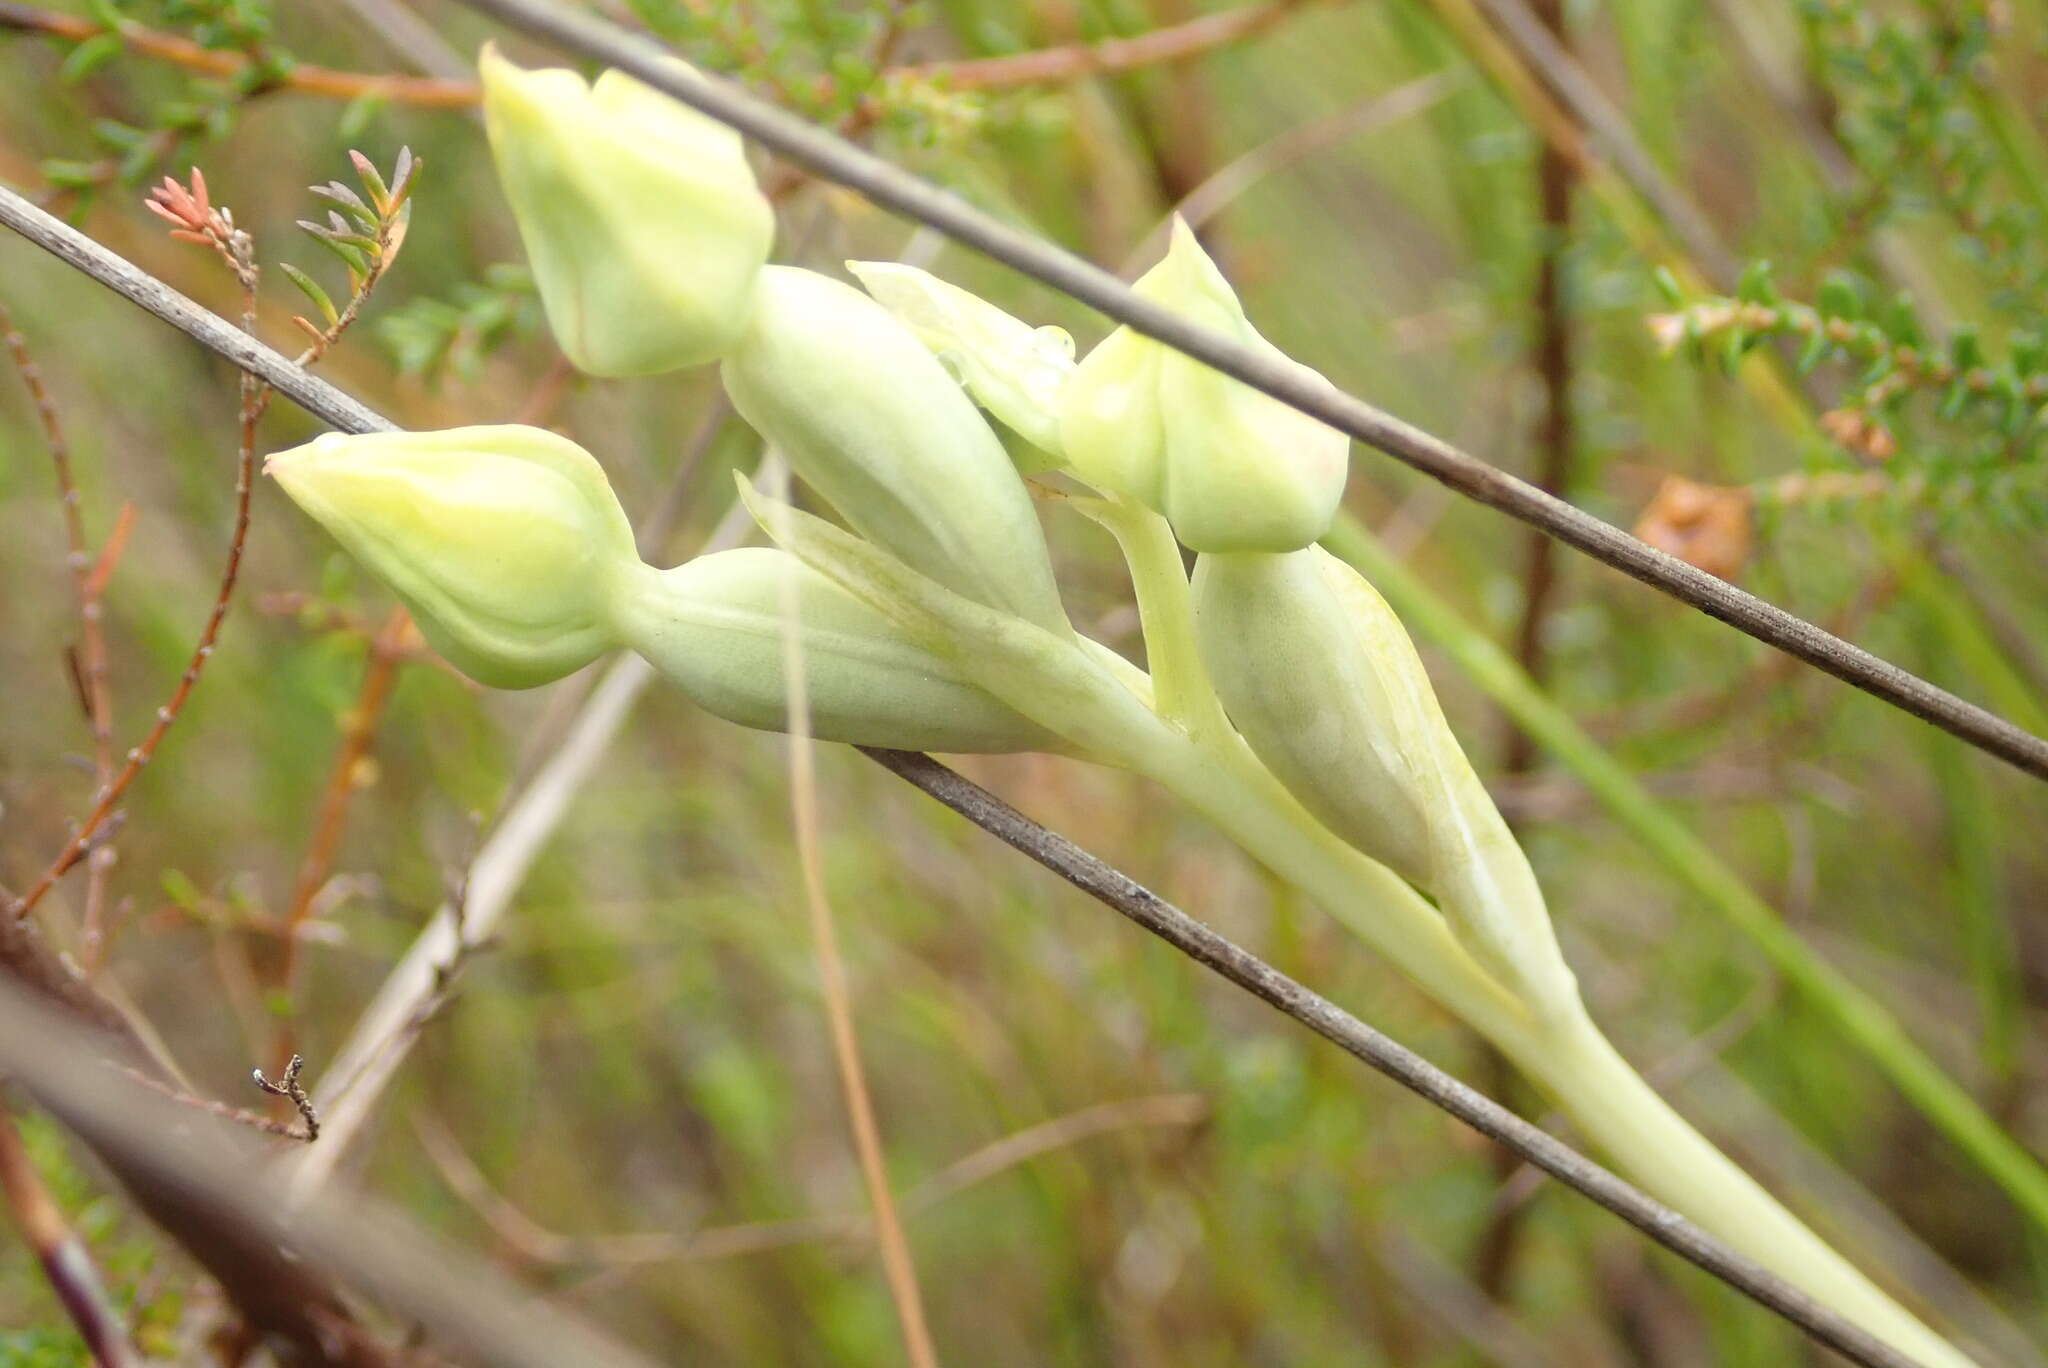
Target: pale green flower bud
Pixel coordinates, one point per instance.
(505, 542)
(870, 419)
(715, 628)
(1321, 679)
(640, 216)
(1015, 371)
(1231, 468)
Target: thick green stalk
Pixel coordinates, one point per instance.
(1180, 689)
(1564, 1053)
(1057, 682)
(1213, 770)
(1622, 1115)
(1855, 1014)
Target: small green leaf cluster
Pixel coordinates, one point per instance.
(202, 110)
(430, 337)
(1915, 113)
(1965, 422)
(821, 60)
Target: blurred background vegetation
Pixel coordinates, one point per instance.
(1105, 1156)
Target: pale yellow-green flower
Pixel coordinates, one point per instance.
(715, 628)
(871, 420)
(641, 217)
(1231, 468)
(1321, 679)
(1015, 371)
(511, 551)
(505, 542)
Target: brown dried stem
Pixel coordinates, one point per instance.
(89, 661)
(394, 642)
(66, 1261)
(226, 1111)
(194, 218)
(1500, 1241)
(1172, 43)
(169, 47)
(898, 1267)
(197, 221)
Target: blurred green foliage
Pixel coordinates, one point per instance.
(643, 1048)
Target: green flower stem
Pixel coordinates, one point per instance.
(1564, 1052)
(1055, 680)
(1855, 1014)
(1624, 1116)
(1181, 690)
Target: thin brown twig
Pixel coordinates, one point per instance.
(66, 1261)
(1070, 61)
(89, 661)
(394, 642)
(1552, 362)
(227, 1111)
(194, 218)
(308, 79)
(201, 223)
(1493, 1263)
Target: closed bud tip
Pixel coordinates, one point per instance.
(869, 418)
(1230, 467)
(640, 216)
(1320, 677)
(1015, 371)
(505, 542)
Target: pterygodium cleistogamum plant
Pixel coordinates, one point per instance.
(1284, 700)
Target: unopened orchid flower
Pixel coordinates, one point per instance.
(515, 558)
(641, 218)
(1230, 467)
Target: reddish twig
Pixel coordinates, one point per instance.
(1172, 43)
(89, 661)
(195, 220)
(312, 80)
(227, 1111)
(66, 1261)
(1500, 1241)
(393, 643)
